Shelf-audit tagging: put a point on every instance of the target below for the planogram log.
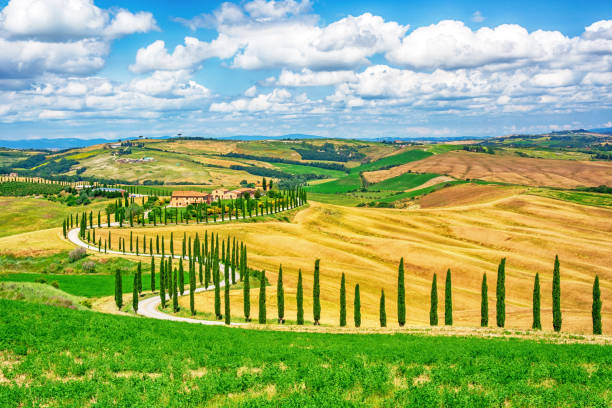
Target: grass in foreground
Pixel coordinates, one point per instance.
(61, 357)
(39, 293)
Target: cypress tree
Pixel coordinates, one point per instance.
(316, 292)
(433, 309)
(537, 324)
(342, 301)
(192, 288)
(246, 292)
(501, 294)
(139, 276)
(484, 302)
(118, 290)
(448, 300)
(162, 283)
(280, 296)
(556, 295)
(135, 294)
(383, 312)
(401, 295)
(300, 300)
(181, 277)
(152, 273)
(357, 307)
(64, 228)
(226, 293)
(207, 272)
(175, 304)
(215, 267)
(596, 309)
(262, 298)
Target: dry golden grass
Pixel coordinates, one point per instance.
(466, 194)
(35, 243)
(366, 245)
(517, 170)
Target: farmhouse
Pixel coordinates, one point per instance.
(218, 194)
(241, 192)
(185, 198)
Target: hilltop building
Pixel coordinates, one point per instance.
(185, 198)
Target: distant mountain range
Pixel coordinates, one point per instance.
(69, 143)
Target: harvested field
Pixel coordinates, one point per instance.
(432, 182)
(515, 170)
(470, 239)
(466, 194)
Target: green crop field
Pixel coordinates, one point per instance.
(55, 356)
(341, 185)
(297, 169)
(402, 182)
(84, 285)
(579, 197)
(352, 181)
(394, 160)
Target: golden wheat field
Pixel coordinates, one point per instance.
(469, 238)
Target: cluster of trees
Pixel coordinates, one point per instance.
(328, 152)
(26, 188)
(126, 210)
(479, 149)
(206, 260)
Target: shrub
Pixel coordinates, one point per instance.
(40, 280)
(86, 303)
(76, 254)
(55, 284)
(89, 266)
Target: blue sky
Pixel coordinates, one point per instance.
(344, 69)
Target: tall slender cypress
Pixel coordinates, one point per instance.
(501, 294)
(383, 312)
(596, 309)
(246, 292)
(192, 288)
(215, 266)
(448, 300)
(280, 296)
(152, 273)
(556, 296)
(226, 294)
(262, 298)
(484, 302)
(300, 300)
(162, 282)
(139, 277)
(357, 307)
(175, 295)
(135, 294)
(401, 295)
(181, 277)
(433, 308)
(316, 292)
(537, 323)
(343, 301)
(118, 290)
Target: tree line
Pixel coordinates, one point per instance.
(233, 258)
(127, 211)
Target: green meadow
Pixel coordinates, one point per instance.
(62, 357)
